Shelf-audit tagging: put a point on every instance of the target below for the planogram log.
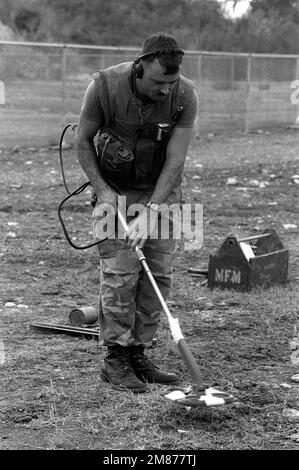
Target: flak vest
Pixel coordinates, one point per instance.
(145, 128)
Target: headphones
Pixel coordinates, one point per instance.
(137, 65)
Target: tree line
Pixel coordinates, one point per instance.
(269, 26)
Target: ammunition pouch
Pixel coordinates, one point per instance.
(116, 160)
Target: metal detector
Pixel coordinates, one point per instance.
(198, 394)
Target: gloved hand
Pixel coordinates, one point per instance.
(142, 227)
(109, 197)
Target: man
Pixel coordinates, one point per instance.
(151, 109)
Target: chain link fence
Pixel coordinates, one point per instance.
(42, 87)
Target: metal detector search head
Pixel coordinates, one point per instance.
(192, 397)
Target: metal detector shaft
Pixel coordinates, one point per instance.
(175, 328)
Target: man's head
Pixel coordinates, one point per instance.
(158, 67)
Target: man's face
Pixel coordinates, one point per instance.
(154, 83)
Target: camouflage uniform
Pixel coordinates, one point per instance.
(129, 310)
(129, 307)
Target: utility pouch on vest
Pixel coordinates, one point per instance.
(116, 160)
(163, 131)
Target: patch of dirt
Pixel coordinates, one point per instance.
(52, 396)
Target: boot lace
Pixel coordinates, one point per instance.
(123, 359)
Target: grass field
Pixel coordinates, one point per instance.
(245, 343)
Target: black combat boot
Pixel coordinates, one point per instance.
(146, 371)
(117, 370)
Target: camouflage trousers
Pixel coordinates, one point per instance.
(129, 309)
